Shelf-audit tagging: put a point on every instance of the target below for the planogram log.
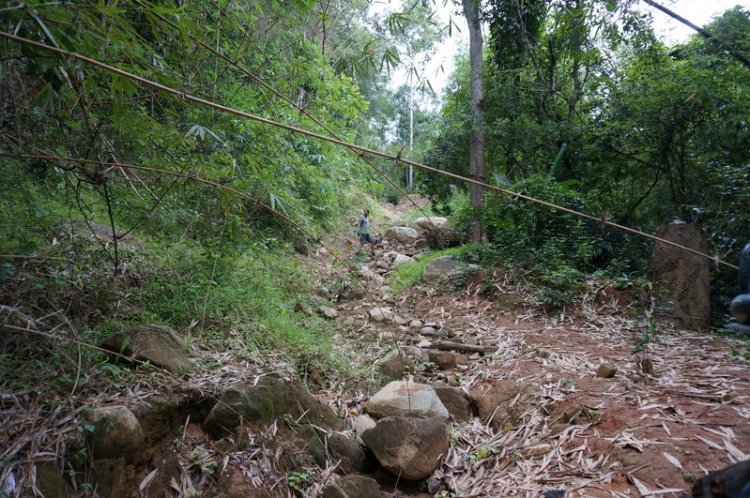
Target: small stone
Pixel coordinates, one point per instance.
(431, 324)
(471, 341)
(304, 308)
(647, 366)
(398, 320)
(381, 314)
(427, 331)
(475, 356)
(557, 429)
(606, 371)
(416, 324)
(537, 450)
(328, 312)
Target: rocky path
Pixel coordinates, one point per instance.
(563, 406)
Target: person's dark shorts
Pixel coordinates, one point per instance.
(365, 237)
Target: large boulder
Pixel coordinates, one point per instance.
(503, 400)
(684, 275)
(349, 453)
(424, 222)
(455, 401)
(411, 448)
(443, 238)
(396, 367)
(264, 402)
(730, 482)
(352, 487)
(116, 433)
(157, 344)
(406, 398)
(404, 235)
(443, 268)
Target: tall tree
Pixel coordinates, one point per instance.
(476, 150)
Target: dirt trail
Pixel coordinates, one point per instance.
(562, 427)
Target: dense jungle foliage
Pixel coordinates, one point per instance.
(585, 108)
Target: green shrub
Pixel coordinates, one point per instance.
(407, 274)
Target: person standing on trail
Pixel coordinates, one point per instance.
(363, 228)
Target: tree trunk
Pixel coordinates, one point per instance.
(476, 151)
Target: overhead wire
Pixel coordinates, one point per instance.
(361, 149)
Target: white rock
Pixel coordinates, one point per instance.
(402, 259)
(424, 222)
(402, 234)
(381, 314)
(361, 423)
(417, 324)
(406, 398)
(398, 320)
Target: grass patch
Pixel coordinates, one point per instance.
(407, 274)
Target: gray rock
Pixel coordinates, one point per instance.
(424, 222)
(361, 423)
(157, 344)
(406, 398)
(350, 454)
(443, 268)
(401, 259)
(684, 275)
(411, 448)
(352, 487)
(427, 331)
(117, 433)
(402, 234)
(455, 401)
(328, 312)
(416, 324)
(421, 244)
(304, 308)
(446, 360)
(356, 292)
(381, 314)
(398, 320)
(397, 367)
(269, 399)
